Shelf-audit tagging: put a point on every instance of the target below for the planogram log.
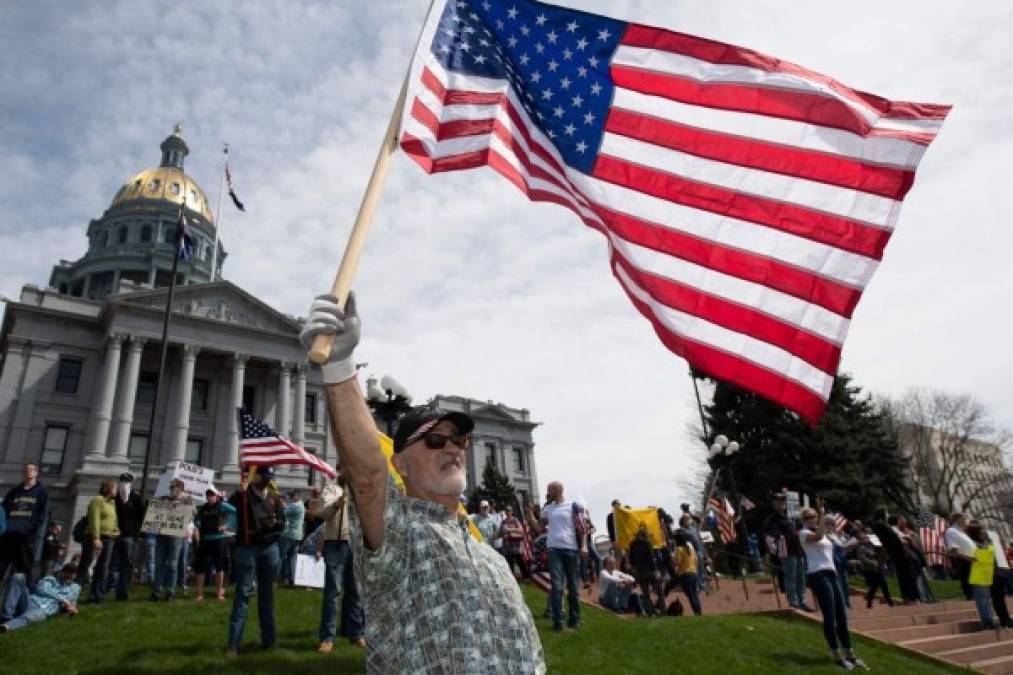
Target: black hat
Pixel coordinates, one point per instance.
(126, 477)
(69, 568)
(780, 493)
(427, 418)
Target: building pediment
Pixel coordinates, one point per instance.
(494, 412)
(218, 302)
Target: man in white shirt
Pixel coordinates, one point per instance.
(564, 542)
(485, 522)
(615, 588)
(960, 550)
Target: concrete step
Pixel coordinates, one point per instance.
(860, 610)
(982, 652)
(1000, 665)
(884, 622)
(942, 643)
(926, 630)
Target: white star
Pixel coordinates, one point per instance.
(553, 66)
(581, 147)
(541, 19)
(486, 6)
(541, 116)
(552, 36)
(449, 32)
(547, 94)
(589, 118)
(480, 59)
(469, 29)
(525, 31)
(499, 24)
(595, 88)
(577, 101)
(582, 44)
(572, 26)
(604, 35)
(570, 129)
(483, 42)
(558, 111)
(511, 42)
(464, 46)
(536, 77)
(445, 49)
(512, 13)
(474, 17)
(539, 47)
(581, 71)
(593, 61)
(524, 59)
(567, 54)
(455, 18)
(462, 4)
(565, 83)
(552, 134)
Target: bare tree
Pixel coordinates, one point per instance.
(955, 452)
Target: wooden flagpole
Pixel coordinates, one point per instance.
(321, 348)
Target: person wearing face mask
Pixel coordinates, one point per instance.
(422, 577)
(130, 516)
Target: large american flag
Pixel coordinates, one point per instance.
(260, 445)
(930, 531)
(746, 201)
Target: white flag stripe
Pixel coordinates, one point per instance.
(781, 306)
(680, 65)
(740, 345)
(456, 111)
(883, 150)
(840, 201)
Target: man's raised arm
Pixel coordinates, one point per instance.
(355, 432)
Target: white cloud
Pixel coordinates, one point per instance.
(465, 286)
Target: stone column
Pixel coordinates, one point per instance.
(284, 408)
(124, 418)
(19, 353)
(181, 427)
(102, 416)
(238, 375)
(299, 411)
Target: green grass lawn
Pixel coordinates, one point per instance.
(948, 589)
(139, 638)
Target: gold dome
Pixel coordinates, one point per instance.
(165, 183)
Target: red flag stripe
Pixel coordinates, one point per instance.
(720, 53)
(785, 160)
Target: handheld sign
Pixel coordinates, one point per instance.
(168, 518)
(196, 480)
(309, 571)
(1000, 552)
(793, 506)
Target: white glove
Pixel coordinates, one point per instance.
(326, 319)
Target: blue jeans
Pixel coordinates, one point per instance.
(124, 548)
(181, 565)
(338, 561)
(149, 560)
(260, 561)
(100, 575)
(287, 551)
(19, 608)
(831, 602)
(983, 601)
(617, 598)
(794, 580)
(563, 568)
(689, 587)
(166, 560)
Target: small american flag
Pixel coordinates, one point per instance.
(260, 445)
(840, 522)
(930, 531)
(746, 201)
(747, 504)
(723, 510)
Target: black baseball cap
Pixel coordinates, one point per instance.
(418, 418)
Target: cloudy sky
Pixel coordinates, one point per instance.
(465, 288)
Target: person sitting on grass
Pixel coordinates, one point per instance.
(822, 579)
(51, 595)
(617, 589)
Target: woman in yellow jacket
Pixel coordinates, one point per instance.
(685, 568)
(103, 529)
(982, 571)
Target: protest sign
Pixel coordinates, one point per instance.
(1000, 553)
(793, 505)
(196, 480)
(309, 571)
(167, 517)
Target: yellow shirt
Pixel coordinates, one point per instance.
(102, 518)
(685, 560)
(983, 567)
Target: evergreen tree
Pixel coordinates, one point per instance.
(495, 487)
(850, 459)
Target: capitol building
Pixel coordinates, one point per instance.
(80, 358)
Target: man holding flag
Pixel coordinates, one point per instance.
(435, 599)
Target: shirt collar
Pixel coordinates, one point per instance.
(430, 510)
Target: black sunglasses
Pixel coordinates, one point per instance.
(437, 441)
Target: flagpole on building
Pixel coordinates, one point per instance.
(218, 213)
(165, 348)
(321, 348)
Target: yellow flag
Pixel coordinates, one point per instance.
(387, 447)
(628, 522)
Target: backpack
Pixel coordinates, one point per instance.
(80, 532)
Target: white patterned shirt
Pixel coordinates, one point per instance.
(436, 600)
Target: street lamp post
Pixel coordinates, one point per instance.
(388, 399)
(722, 447)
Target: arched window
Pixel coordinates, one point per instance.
(146, 234)
(123, 234)
(103, 239)
(169, 235)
